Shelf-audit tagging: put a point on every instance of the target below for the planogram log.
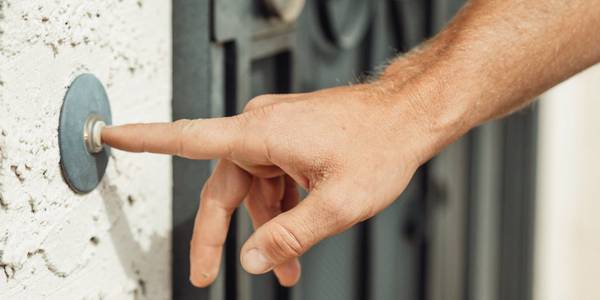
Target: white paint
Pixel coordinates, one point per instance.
(567, 258)
(113, 243)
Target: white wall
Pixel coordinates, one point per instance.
(113, 243)
(567, 264)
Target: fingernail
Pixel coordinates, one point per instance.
(255, 262)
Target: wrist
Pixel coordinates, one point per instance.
(432, 107)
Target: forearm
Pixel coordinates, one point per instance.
(492, 59)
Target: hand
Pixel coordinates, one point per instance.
(353, 150)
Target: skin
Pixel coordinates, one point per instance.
(355, 148)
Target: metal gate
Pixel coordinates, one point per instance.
(434, 243)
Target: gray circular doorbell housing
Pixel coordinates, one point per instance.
(85, 111)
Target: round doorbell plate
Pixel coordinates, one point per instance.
(85, 104)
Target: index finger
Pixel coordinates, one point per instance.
(194, 139)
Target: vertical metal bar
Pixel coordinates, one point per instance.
(518, 199)
(230, 93)
(447, 201)
(396, 235)
(485, 203)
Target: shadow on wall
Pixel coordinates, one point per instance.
(128, 249)
(3, 204)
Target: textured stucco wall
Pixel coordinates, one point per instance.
(113, 243)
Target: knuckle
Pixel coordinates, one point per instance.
(284, 243)
(182, 124)
(256, 102)
(259, 120)
(263, 112)
(239, 122)
(182, 128)
(270, 116)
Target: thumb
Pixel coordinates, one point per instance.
(292, 233)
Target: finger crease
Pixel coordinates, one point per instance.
(180, 142)
(289, 241)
